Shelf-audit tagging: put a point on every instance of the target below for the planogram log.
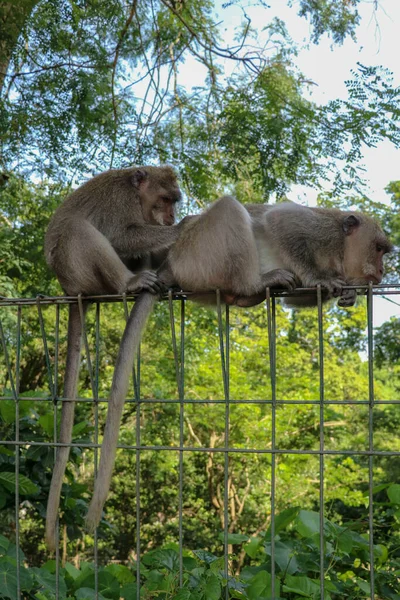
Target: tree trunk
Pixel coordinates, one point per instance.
(13, 16)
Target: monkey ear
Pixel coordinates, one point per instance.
(350, 224)
(138, 177)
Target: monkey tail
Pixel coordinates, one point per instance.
(67, 421)
(119, 389)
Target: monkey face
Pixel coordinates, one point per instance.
(365, 247)
(163, 212)
(158, 192)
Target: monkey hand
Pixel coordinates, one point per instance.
(279, 278)
(332, 287)
(185, 221)
(145, 281)
(348, 298)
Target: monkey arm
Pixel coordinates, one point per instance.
(137, 240)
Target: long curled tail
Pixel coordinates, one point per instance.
(119, 389)
(67, 421)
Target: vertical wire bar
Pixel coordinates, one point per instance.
(134, 377)
(96, 439)
(321, 441)
(179, 383)
(15, 397)
(55, 401)
(181, 440)
(56, 351)
(138, 512)
(371, 437)
(226, 457)
(53, 396)
(226, 462)
(7, 361)
(272, 365)
(45, 346)
(86, 345)
(136, 386)
(17, 450)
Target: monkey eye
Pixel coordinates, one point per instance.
(380, 248)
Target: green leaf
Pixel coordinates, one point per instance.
(162, 558)
(128, 591)
(260, 585)
(183, 594)
(48, 582)
(205, 556)
(253, 547)
(88, 594)
(213, 587)
(26, 486)
(121, 573)
(284, 556)
(72, 571)
(46, 422)
(381, 553)
(7, 411)
(108, 584)
(283, 519)
(4, 543)
(394, 493)
(8, 579)
(78, 428)
(303, 586)
(233, 538)
(363, 585)
(307, 523)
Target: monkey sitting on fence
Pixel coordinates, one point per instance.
(110, 225)
(242, 250)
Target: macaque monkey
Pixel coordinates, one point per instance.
(242, 251)
(107, 227)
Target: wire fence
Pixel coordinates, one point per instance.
(51, 350)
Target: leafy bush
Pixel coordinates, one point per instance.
(297, 566)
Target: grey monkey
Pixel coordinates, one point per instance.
(242, 250)
(119, 221)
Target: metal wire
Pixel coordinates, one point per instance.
(271, 448)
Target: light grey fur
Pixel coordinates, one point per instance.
(107, 226)
(241, 250)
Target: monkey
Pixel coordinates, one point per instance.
(119, 220)
(241, 250)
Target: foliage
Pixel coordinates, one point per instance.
(296, 553)
(89, 86)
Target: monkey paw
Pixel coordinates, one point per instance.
(348, 298)
(279, 278)
(332, 287)
(145, 281)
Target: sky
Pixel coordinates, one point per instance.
(329, 67)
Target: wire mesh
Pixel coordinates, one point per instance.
(12, 369)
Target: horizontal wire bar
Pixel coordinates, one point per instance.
(193, 401)
(205, 449)
(361, 289)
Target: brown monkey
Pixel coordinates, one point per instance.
(241, 252)
(112, 222)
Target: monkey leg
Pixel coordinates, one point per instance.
(217, 250)
(91, 266)
(277, 278)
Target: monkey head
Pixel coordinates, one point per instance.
(364, 248)
(158, 191)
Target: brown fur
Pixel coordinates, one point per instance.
(111, 222)
(241, 250)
